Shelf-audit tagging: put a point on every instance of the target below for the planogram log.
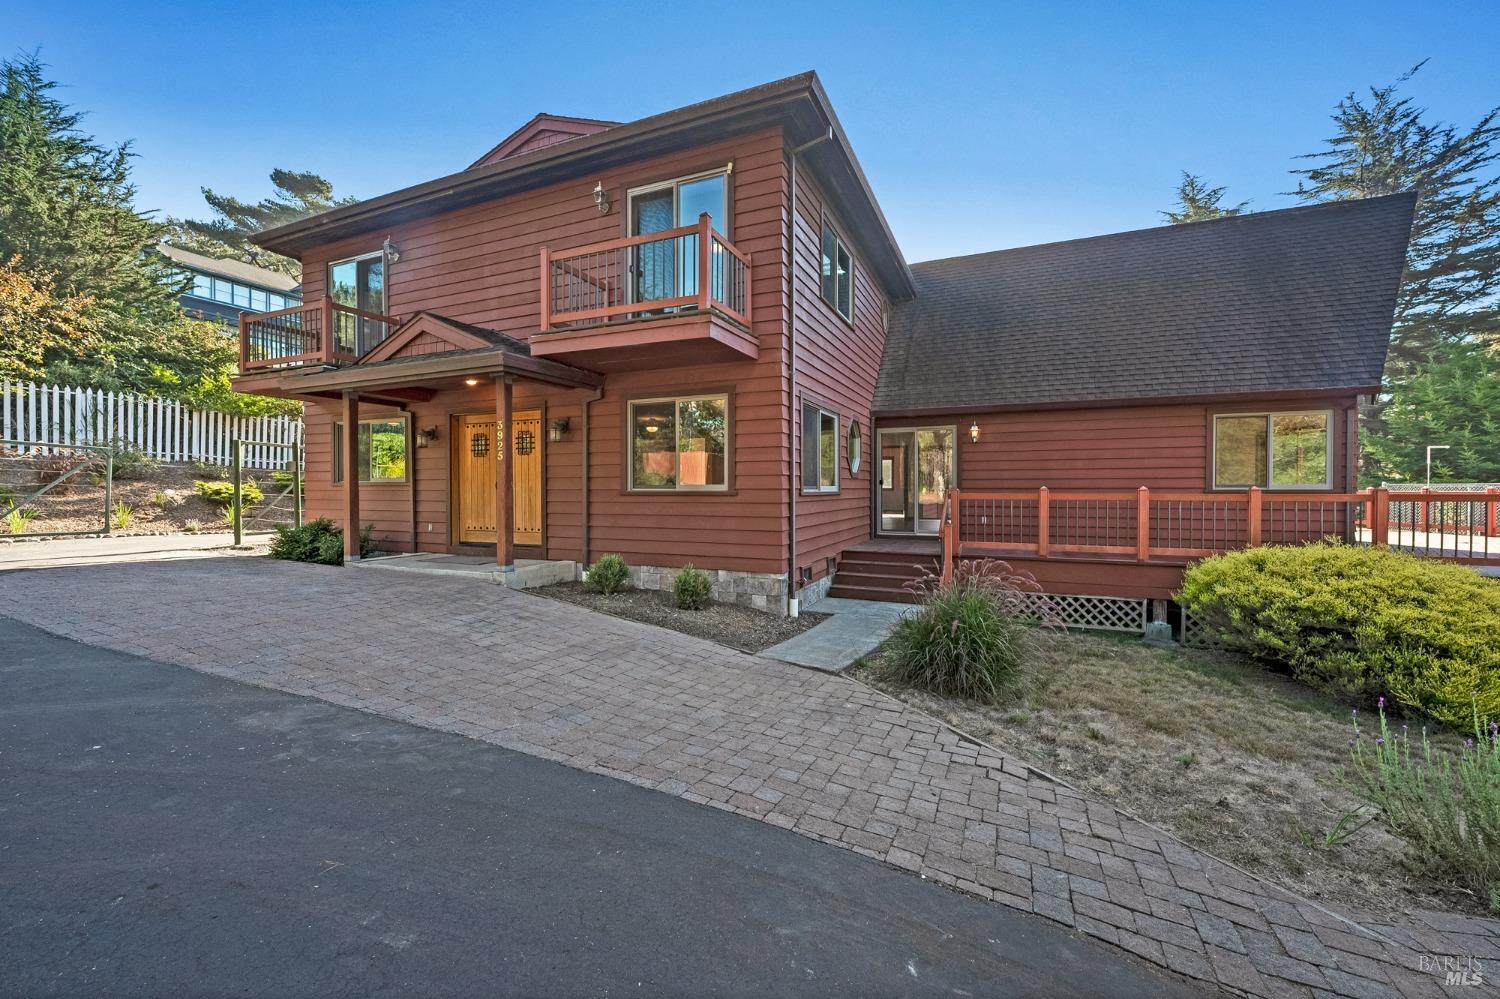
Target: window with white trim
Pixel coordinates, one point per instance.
(838, 273)
(680, 444)
(820, 449)
(1273, 450)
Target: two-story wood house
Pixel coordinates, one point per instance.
(692, 338)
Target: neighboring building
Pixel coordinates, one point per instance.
(694, 339)
(222, 289)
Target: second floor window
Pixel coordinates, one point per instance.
(838, 273)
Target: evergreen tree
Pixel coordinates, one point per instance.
(295, 195)
(66, 204)
(1197, 202)
(1454, 400)
(1384, 144)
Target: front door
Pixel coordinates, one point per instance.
(475, 466)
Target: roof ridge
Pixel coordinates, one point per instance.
(1245, 217)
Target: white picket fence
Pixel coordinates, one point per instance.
(39, 415)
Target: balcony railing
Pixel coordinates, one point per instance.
(656, 274)
(1145, 525)
(314, 333)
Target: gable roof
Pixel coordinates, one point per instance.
(540, 132)
(1297, 300)
(234, 270)
(797, 104)
(427, 333)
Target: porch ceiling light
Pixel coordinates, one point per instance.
(471, 382)
(974, 431)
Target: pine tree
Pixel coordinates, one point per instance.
(67, 212)
(1452, 400)
(295, 195)
(1384, 144)
(1197, 202)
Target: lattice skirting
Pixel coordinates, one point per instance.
(1196, 635)
(1095, 613)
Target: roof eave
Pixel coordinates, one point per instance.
(1203, 399)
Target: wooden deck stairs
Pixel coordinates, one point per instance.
(882, 568)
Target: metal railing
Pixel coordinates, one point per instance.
(322, 332)
(660, 273)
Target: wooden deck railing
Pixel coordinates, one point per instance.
(1144, 525)
(692, 267)
(313, 333)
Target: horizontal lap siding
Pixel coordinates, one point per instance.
(480, 265)
(1161, 447)
(837, 365)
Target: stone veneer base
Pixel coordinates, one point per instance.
(761, 591)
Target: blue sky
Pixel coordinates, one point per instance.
(981, 126)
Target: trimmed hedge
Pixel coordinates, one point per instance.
(1359, 623)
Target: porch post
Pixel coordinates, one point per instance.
(351, 475)
(505, 535)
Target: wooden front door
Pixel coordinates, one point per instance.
(475, 444)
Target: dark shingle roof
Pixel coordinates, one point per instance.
(1294, 300)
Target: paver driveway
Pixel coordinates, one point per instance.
(819, 754)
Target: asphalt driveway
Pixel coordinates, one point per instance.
(168, 832)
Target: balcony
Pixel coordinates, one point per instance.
(675, 297)
(312, 334)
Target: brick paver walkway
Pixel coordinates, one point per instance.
(819, 754)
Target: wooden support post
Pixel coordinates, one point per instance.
(1043, 521)
(1422, 508)
(505, 509)
(1380, 515)
(1143, 525)
(950, 536)
(327, 337)
(545, 321)
(237, 477)
(1492, 513)
(1252, 517)
(244, 342)
(705, 261)
(351, 476)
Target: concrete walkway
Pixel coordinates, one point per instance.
(527, 572)
(816, 753)
(112, 549)
(856, 628)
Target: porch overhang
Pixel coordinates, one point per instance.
(697, 337)
(436, 371)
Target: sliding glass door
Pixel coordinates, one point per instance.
(917, 468)
(668, 268)
(360, 284)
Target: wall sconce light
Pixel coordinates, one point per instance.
(974, 431)
(391, 252)
(426, 435)
(601, 198)
(557, 431)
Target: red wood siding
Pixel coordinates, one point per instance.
(480, 265)
(1163, 447)
(837, 365)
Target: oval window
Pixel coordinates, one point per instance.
(856, 451)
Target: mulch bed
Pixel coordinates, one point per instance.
(728, 624)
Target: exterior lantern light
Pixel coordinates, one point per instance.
(974, 431)
(392, 252)
(426, 435)
(601, 198)
(557, 431)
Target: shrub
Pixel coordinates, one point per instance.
(1360, 622)
(19, 519)
(129, 463)
(209, 469)
(317, 541)
(609, 574)
(1448, 811)
(691, 589)
(120, 515)
(191, 527)
(968, 638)
(223, 492)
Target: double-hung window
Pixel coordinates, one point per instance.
(1273, 450)
(820, 449)
(382, 450)
(838, 273)
(679, 444)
